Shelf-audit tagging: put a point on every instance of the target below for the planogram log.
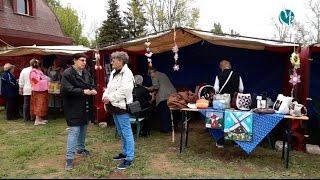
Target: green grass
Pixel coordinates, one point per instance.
(29, 151)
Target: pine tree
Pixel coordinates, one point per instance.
(135, 20)
(112, 29)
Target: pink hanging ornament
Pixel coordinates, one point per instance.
(294, 79)
(176, 67)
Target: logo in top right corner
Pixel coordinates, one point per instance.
(286, 17)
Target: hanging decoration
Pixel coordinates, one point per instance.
(148, 53)
(295, 79)
(294, 76)
(295, 60)
(97, 57)
(175, 50)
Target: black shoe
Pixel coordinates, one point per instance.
(125, 164)
(69, 164)
(120, 157)
(164, 130)
(84, 152)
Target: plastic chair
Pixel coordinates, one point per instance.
(136, 119)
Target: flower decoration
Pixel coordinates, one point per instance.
(175, 50)
(295, 60)
(176, 67)
(294, 79)
(148, 53)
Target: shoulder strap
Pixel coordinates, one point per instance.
(225, 82)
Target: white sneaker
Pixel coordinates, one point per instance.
(219, 146)
(45, 121)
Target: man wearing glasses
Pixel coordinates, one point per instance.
(77, 86)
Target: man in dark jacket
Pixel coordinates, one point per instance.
(76, 87)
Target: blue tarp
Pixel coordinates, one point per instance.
(260, 70)
(314, 75)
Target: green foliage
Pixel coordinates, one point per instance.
(54, 3)
(69, 22)
(234, 33)
(217, 28)
(112, 29)
(193, 17)
(164, 14)
(135, 20)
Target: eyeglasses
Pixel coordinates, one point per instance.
(83, 60)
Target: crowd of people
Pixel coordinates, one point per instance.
(77, 89)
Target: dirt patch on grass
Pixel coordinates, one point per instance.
(117, 175)
(245, 169)
(56, 162)
(162, 164)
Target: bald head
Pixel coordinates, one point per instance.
(224, 64)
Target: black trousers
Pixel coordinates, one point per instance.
(26, 107)
(165, 116)
(12, 105)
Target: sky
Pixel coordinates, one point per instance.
(247, 17)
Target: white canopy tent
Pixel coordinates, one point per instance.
(44, 50)
(163, 41)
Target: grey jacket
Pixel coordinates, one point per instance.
(162, 83)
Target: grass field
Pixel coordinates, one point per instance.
(29, 151)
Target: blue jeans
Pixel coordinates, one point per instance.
(123, 125)
(76, 137)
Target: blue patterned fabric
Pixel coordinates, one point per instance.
(262, 126)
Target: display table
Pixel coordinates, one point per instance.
(263, 124)
(55, 94)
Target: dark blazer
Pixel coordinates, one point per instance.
(141, 94)
(74, 100)
(9, 85)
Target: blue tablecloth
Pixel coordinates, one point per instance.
(262, 126)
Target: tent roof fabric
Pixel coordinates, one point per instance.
(162, 42)
(44, 50)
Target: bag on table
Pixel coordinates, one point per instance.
(219, 104)
(297, 109)
(224, 97)
(242, 101)
(281, 106)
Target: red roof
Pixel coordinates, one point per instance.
(41, 28)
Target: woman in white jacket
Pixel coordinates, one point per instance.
(115, 98)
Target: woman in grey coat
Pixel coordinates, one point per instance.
(164, 88)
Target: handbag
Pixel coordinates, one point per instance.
(281, 106)
(297, 109)
(242, 101)
(224, 97)
(219, 104)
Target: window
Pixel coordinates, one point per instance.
(23, 7)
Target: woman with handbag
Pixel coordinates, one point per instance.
(228, 82)
(116, 97)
